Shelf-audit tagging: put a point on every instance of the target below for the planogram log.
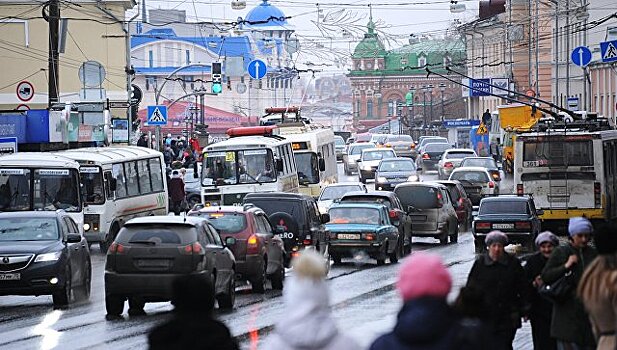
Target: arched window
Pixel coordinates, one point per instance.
(422, 61)
(390, 108)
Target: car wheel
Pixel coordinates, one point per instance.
(258, 283)
(443, 240)
(63, 296)
(83, 292)
(336, 259)
(381, 261)
(114, 304)
(227, 300)
(454, 236)
(136, 306)
(277, 278)
(396, 254)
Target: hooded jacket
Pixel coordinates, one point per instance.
(308, 322)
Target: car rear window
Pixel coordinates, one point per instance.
(398, 165)
(226, 223)
(355, 215)
(504, 207)
(472, 176)
(437, 147)
(378, 155)
(485, 163)
(459, 155)
(358, 148)
(336, 192)
(421, 197)
(167, 234)
(28, 229)
(272, 205)
(399, 138)
(368, 199)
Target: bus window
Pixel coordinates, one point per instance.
(156, 175)
(118, 174)
(132, 184)
(256, 166)
(308, 170)
(144, 176)
(56, 189)
(220, 168)
(92, 182)
(14, 189)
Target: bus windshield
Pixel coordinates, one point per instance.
(558, 153)
(92, 181)
(238, 167)
(39, 189)
(308, 169)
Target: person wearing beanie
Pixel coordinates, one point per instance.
(501, 278)
(426, 321)
(570, 324)
(598, 288)
(192, 325)
(541, 309)
(308, 322)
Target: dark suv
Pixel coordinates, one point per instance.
(299, 217)
(258, 249)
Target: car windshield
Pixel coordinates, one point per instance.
(92, 181)
(28, 229)
(357, 149)
(238, 167)
(157, 234)
(226, 223)
(504, 207)
(398, 165)
(469, 175)
(377, 155)
(338, 141)
(481, 162)
(271, 206)
(459, 154)
(308, 169)
(336, 192)
(399, 138)
(437, 147)
(355, 215)
(420, 197)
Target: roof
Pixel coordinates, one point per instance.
(238, 209)
(508, 197)
(103, 154)
(245, 142)
(370, 46)
(470, 168)
(165, 219)
(279, 195)
(37, 160)
(424, 184)
(381, 194)
(266, 12)
(357, 205)
(26, 214)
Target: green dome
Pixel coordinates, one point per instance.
(370, 46)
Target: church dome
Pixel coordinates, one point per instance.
(264, 12)
(370, 46)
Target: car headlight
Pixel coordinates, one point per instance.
(413, 178)
(48, 257)
(381, 179)
(86, 227)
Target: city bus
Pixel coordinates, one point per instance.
(315, 155)
(118, 184)
(253, 159)
(40, 181)
(570, 171)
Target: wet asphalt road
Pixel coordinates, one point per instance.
(363, 298)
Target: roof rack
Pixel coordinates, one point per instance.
(592, 123)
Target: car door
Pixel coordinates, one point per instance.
(74, 250)
(449, 206)
(273, 244)
(392, 231)
(317, 227)
(224, 257)
(535, 220)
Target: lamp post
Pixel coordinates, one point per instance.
(442, 88)
(424, 90)
(410, 101)
(430, 88)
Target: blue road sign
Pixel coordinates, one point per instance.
(257, 69)
(157, 115)
(609, 51)
(479, 87)
(581, 56)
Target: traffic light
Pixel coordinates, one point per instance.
(217, 74)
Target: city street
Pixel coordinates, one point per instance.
(363, 298)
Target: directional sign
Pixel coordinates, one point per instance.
(581, 56)
(157, 115)
(609, 51)
(25, 91)
(257, 69)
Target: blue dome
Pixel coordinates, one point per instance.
(263, 12)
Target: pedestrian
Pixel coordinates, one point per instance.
(177, 192)
(486, 117)
(192, 325)
(143, 141)
(426, 321)
(168, 155)
(308, 322)
(541, 309)
(598, 288)
(570, 324)
(502, 279)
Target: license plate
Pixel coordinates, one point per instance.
(503, 226)
(348, 236)
(10, 276)
(418, 217)
(153, 263)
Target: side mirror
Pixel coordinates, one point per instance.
(229, 241)
(73, 238)
(112, 183)
(540, 212)
(322, 164)
(325, 218)
(279, 164)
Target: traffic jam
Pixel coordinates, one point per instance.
(289, 236)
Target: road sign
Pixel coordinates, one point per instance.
(257, 69)
(25, 91)
(609, 51)
(573, 103)
(480, 87)
(22, 107)
(119, 104)
(482, 130)
(157, 115)
(8, 145)
(581, 56)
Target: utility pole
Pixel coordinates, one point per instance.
(53, 18)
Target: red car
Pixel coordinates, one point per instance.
(462, 203)
(255, 243)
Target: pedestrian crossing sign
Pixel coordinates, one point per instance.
(157, 115)
(608, 50)
(482, 130)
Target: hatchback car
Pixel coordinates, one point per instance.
(462, 203)
(430, 155)
(150, 252)
(484, 162)
(369, 161)
(43, 253)
(334, 192)
(365, 227)
(339, 147)
(403, 145)
(516, 216)
(476, 181)
(430, 209)
(451, 159)
(354, 151)
(394, 171)
(256, 245)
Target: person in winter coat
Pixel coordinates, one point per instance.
(192, 325)
(598, 288)
(308, 322)
(177, 193)
(426, 321)
(541, 309)
(502, 279)
(143, 141)
(570, 323)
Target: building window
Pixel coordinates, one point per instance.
(403, 61)
(390, 108)
(422, 61)
(357, 108)
(149, 82)
(188, 56)
(150, 58)
(369, 108)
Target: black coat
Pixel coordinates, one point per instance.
(185, 332)
(505, 290)
(540, 307)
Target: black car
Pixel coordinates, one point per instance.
(391, 172)
(431, 155)
(398, 214)
(299, 217)
(43, 253)
(516, 216)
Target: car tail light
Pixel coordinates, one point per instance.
(439, 200)
(483, 225)
(116, 248)
(425, 156)
(190, 249)
(522, 225)
(496, 176)
(448, 165)
(295, 252)
(393, 214)
(597, 194)
(460, 202)
(368, 236)
(252, 245)
(519, 189)
(307, 240)
(491, 184)
(413, 146)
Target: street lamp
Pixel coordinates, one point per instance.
(410, 103)
(424, 91)
(442, 88)
(430, 87)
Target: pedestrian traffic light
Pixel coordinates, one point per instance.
(217, 74)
